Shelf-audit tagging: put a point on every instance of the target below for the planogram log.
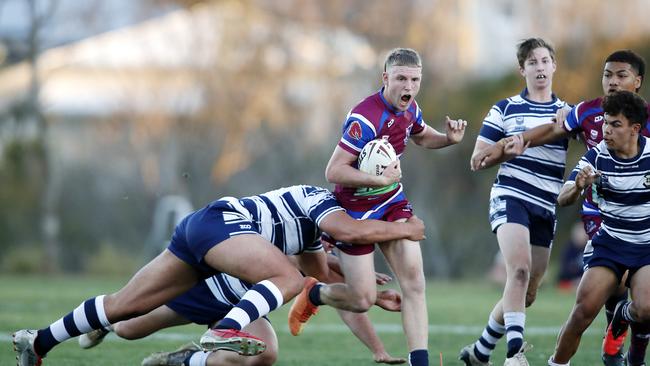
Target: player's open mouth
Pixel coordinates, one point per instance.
(406, 98)
(612, 90)
(541, 77)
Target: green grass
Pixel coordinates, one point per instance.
(33, 302)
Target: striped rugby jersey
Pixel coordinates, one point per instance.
(624, 191)
(537, 175)
(287, 217)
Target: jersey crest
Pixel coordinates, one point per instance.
(355, 130)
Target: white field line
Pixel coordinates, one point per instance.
(5, 336)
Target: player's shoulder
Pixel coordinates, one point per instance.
(370, 107)
(503, 104)
(592, 106)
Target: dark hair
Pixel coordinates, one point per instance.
(627, 103)
(525, 47)
(402, 57)
(629, 57)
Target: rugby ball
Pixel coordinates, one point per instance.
(375, 156)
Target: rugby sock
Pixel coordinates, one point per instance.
(514, 331)
(638, 343)
(258, 301)
(610, 305)
(626, 312)
(314, 294)
(198, 358)
(553, 363)
(419, 357)
(86, 317)
(491, 334)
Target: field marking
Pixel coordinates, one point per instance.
(386, 328)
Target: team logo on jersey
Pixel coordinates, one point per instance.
(355, 130)
(390, 123)
(646, 181)
(598, 118)
(519, 120)
(594, 134)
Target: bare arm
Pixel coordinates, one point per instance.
(545, 134)
(340, 171)
(570, 192)
(343, 227)
(432, 139)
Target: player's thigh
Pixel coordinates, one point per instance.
(359, 272)
(263, 329)
(596, 286)
(160, 318)
(640, 286)
(251, 258)
(160, 280)
(404, 258)
(514, 243)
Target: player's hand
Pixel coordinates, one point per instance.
(586, 177)
(455, 130)
(382, 278)
(389, 300)
(384, 357)
(561, 114)
(487, 156)
(515, 146)
(416, 228)
(392, 173)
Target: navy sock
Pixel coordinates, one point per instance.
(419, 357)
(314, 295)
(514, 345)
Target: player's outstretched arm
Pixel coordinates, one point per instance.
(340, 170)
(432, 139)
(343, 227)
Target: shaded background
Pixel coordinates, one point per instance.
(118, 117)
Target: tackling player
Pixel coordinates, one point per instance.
(223, 237)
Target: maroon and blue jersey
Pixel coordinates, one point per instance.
(371, 119)
(587, 118)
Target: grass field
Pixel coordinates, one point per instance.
(457, 314)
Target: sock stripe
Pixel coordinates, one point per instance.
(493, 332)
(101, 314)
(250, 309)
(91, 314)
(265, 292)
(70, 326)
(80, 319)
(486, 344)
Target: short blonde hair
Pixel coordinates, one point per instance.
(402, 57)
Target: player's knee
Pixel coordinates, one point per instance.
(583, 313)
(521, 275)
(642, 311)
(413, 283)
(362, 302)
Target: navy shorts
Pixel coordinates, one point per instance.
(205, 228)
(616, 255)
(203, 305)
(539, 221)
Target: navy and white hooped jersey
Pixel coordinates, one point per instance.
(624, 189)
(537, 175)
(287, 217)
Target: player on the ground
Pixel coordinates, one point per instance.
(208, 301)
(392, 114)
(224, 237)
(522, 201)
(619, 166)
(623, 70)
